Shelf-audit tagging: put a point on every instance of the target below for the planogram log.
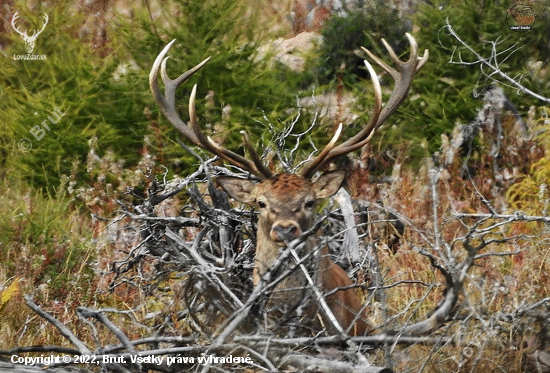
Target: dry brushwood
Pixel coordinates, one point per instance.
(202, 264)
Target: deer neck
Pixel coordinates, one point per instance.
(268, 253)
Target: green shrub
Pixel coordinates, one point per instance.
(77, 81)
(363, 25)
(104, 93)
(443, 94)
(235, 89)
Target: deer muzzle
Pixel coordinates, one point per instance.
(284, 231)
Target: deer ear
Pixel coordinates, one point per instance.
(328, 183)
(240, 189)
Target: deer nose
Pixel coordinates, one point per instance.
(285, 231)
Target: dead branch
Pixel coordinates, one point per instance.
(310, 363)
(66, 332)
(207, 250)
(85, 312)
(492, 63)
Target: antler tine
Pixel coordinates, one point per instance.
(192, 131)
(253, 166)
(167, 102)
(330, 152)
(403, 79)
(43, 26)
(321, 157)
(257, 161)
(16, 28)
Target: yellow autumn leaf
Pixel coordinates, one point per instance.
(9, 293)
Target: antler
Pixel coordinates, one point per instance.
(36, 33)
(23, 34)
(192, 131)
(403, 80)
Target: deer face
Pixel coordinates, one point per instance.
(287, 202)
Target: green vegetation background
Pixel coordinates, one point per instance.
(110, 117)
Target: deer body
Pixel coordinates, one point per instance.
(287, 202)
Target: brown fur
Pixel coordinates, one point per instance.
(287, 204)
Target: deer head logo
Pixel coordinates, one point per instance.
(29, 40)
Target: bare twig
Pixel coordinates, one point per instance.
(66, 332)
(492, 63)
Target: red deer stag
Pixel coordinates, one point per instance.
(287, 202)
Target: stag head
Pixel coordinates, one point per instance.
(287, 202)
(29, 40)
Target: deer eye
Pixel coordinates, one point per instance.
(309, 204)
(261, 204)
